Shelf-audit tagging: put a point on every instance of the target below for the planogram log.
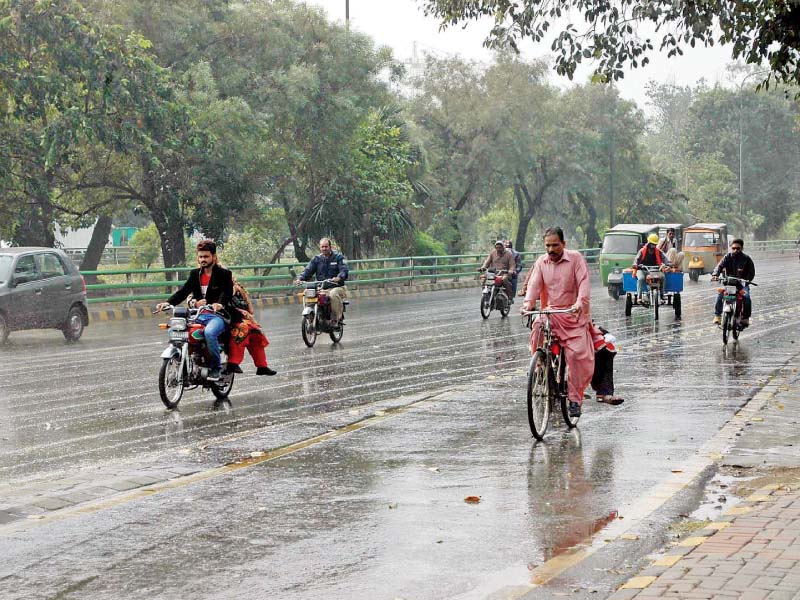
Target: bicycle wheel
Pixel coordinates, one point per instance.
(538, 394)
(562, 392)
(726, 327)
(486, 306)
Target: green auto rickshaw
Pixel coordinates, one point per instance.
(620, 245)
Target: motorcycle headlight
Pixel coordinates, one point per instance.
(310, 292)
(177, 324)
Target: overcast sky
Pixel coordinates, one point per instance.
(400, 23)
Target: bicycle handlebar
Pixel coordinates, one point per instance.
(549, 311)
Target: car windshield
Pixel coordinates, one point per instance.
(696, 239)
(5, 267)
(620, 244)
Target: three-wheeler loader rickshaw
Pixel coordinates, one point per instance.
(621, 243)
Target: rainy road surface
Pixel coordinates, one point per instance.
(345, 476)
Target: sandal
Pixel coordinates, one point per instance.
(612, 400)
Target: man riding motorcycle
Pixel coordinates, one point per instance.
(332, 265)
(736, 264)
(210, 285)
(649, 256)
(501, 259)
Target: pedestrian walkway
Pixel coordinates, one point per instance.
(752, 552)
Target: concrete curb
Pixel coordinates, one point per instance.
(141, 312)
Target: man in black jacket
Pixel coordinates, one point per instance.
(736, 264)
(329, 264)
(209, 285)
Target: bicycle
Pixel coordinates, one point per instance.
(547, 376)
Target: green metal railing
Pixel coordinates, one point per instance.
(277, 279)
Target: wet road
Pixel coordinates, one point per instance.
(378, 511)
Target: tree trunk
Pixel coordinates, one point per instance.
(91, 260)
(37, 227)
(590, 230)
(166, 215)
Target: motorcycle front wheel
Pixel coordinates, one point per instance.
(170, 382)
(309, 331)
(654, 298)
(486, 306)
(726, 327)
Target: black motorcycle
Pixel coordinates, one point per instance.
(494, 296)
(732, 306)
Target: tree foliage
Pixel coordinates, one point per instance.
(759, 32)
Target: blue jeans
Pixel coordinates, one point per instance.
(214, 327)
(747, 304)
(641, 276)
(514, 281)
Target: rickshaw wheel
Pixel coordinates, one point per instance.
(628, 305)
(676, 304)
(694, 274)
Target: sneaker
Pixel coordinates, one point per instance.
(717, 320)
(265, 371)
(574, 409)
(214, 374)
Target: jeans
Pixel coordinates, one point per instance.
(514, 281)
(747, 307)
(641, 276)
(214, 327)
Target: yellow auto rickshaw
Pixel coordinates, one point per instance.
(704, 245)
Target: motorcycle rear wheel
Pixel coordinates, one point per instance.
(538, 395)
(486, 306)
(171, 382)
(222, 389)
(506, 305)
(336, 334)
(309, 331)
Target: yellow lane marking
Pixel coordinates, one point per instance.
(718, 525)
(145, 492)
(757, 498)
(739, 510)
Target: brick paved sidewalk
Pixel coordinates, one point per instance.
(751, 553)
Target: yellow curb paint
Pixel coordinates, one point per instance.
(668, 561)
(719, 525)
(739, 510)
(692, 541)
(638, 583)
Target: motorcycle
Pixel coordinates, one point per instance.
(732, 306)
(185, 360)
(494, 296)
(317, 312)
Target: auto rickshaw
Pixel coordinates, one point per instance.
(620, 245)
(704, 245)
(662, 288)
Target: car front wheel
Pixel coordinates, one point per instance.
(73, 326)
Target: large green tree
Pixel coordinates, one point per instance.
(759, 31)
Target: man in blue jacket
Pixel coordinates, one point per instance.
(329, 265)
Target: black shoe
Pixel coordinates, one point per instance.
(213, 374)
(574, 409)
(265, 371)
(233, 369)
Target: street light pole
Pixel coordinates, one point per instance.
(347, 15)
(741, 137)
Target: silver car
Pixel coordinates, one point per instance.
(40, 288)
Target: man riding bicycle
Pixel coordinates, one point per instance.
(560, 279)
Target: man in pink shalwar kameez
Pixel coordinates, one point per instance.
(560, 279)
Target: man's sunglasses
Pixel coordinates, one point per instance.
(736, 247)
